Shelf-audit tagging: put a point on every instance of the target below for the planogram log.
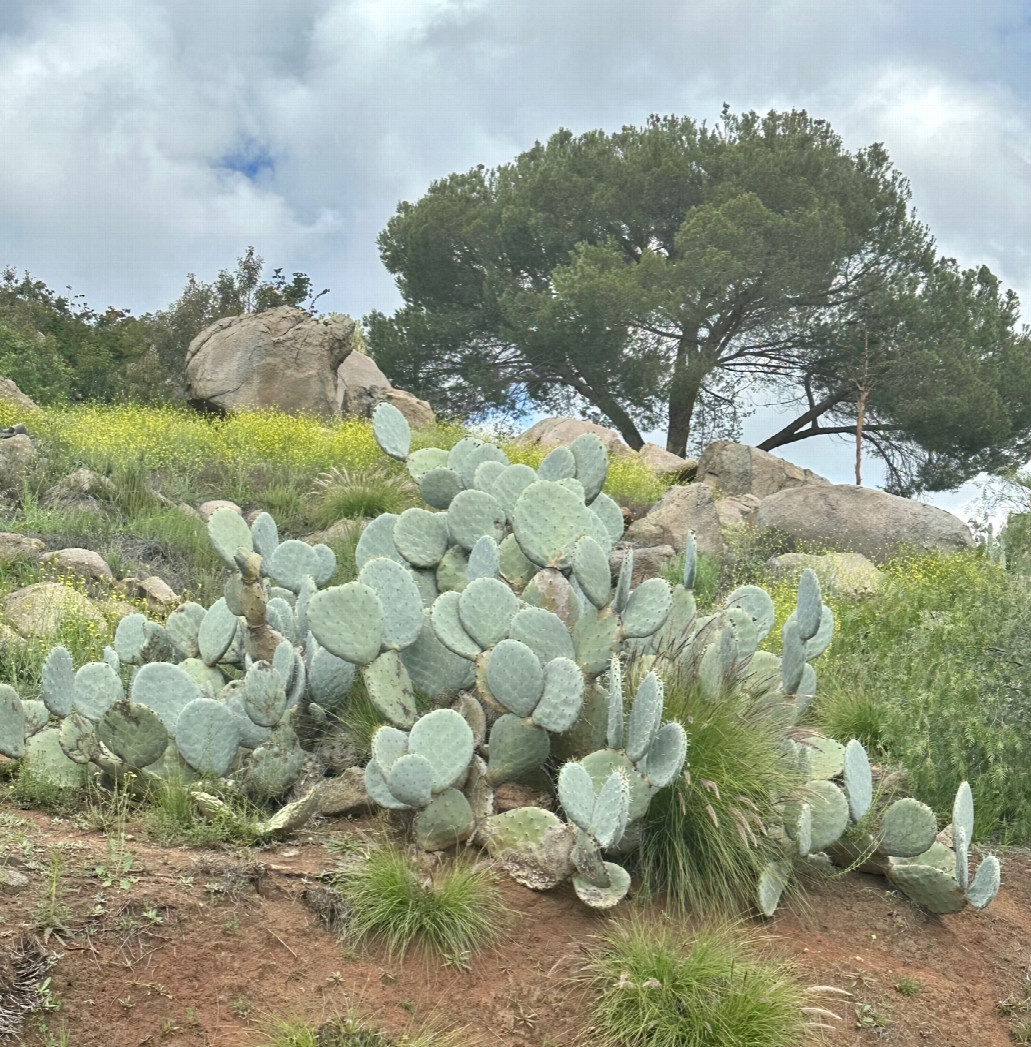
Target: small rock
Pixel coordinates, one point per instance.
(11, 880)
(14, 546)
(663, 462)
(737, 511)
(649, 561)
(511, 795)
(681, 509)
(10, 393)
(251, 515)
(157, 592)
(16, 452)
(418, 413)
(208, 509)
(345, 794)
(84, 563)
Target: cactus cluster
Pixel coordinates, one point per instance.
(904, 844)
(497, 604)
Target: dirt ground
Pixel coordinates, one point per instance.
(185, 947)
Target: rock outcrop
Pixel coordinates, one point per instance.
(861, 520)
(550, 432)
(734, 468)
(10, 393)
(680, 510)
(281, 358)
(362, 386)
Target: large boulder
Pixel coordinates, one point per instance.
(664, 462)
(680, 510)
(362, 386)
(861, 520)
(550, 432)
(281, 358)
(734, 468)
(10, 393)
(39, 609)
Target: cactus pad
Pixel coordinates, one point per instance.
(134, 733)
(484, 559)
(985, 885)
(392, 432)
(207, 736)
(217, 632)
(348, 620)
(229, 534)
(421, 537)
(57, 687)
(439, 486)
(858, 780)
(264, 535)
(390, 688)
(473, 514)
(12, 722)
(97, 688)
(544, 633)
(165, 689)
(291, 562)
(447, 820)
(645, 717)
(558, 464)
(665, 757)
(563, 696)
(399, 599)
(410, 779)
(591, 570)
(515, 677)
(604, 897)
(377, 540)
(908, 828)
(515, 747)
(592, 463)
(445, 740)
(547, 520)
(830, 813)
(264, 694)
(433, 668)
(486, 608)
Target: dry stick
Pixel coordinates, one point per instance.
(281, 942)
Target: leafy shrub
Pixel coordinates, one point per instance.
(933, 671)
(660, 985)
(703, 845)
(451, 912)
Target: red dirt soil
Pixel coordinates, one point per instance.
(198, 947)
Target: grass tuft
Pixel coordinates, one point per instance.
(657, 985)
(361, 493)
(451, 912)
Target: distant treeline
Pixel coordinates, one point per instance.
(58, 349)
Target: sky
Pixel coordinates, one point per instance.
(142, 140)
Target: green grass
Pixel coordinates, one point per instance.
(702, 846)
(367, 493)
(450, 912)
(656, 984)
(347, 1031)
(171, 819)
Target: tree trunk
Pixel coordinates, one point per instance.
(688, 374)
(859, 438)
(611, 407)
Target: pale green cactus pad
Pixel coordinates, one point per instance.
(452, 574)
(470, 463)
(486, 474)
(515, 747)
(510, 484)
(445, 740)
(591, 570)
(830, 813)
(410, 779)
(963, 811)
(264, 535)
(377, 540)
(435, 670)
(399, 598)
(826, 756)
(229, 534)
(986, 882)
(576, 794)
(390, 688)
(757, 603)
(484, 559)
(97, 688)
(439, 487)
(421, 462)
(207, 736)
(608, 511)
(810, 605)
(592, 463)
(447, 622)
(12, 723)
(378, 790)
(819, 643)
(594, 639)
(908, 828)
(134, 733)
(57, 687)
(563, 697)
(348, 620)
(264, 694)
(544, 633)
(78, 738)
(44, 758)
(647, 609)
(182, 626)
(392, 432)
(291, 562)
(515, 677)
(645, 717)
(37, 716)
(858, 780)
(665, 757)
(446, 821)
(772, 881)
(558, 464)
(421, 537)
(515, 568)
(604, 897)
(929, 887)
(547, 520)
(217, 632)
(473, 514)
(329, 678)
(486, 608)
(166, 689)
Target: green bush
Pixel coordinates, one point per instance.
(933, 673)
(661, 985)
(451, 912)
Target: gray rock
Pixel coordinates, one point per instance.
(734, 468)
(550, 432)
(649, 560)
(737, 511)
(160, 596)
(14, 546)
(10, 392)
(281, 358)
(82, 489)
(362, 386)
(16, 454)
(861, 520)
(345, 794)
(38, 610)
(680, 510)
(206, 510)
(83, 563)
(11, 880)
(844, 574)
(663, 462)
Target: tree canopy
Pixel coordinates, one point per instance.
(665, 276)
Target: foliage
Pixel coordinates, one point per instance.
(932, 671)
(704, 844)
(451, 911)
(364, 493)
(348, 1031)
(655, 984)
(652, 275)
